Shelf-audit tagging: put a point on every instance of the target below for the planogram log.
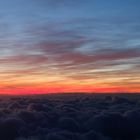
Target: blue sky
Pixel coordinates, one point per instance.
(18, 10)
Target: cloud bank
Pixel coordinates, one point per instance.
(70, 116)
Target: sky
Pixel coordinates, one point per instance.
(51, 46)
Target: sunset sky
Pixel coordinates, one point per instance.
(69, 46)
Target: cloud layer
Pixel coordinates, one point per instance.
(70, 116)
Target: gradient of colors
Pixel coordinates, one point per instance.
(69, 46)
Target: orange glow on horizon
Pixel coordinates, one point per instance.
(30, 84)
(66, 89)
